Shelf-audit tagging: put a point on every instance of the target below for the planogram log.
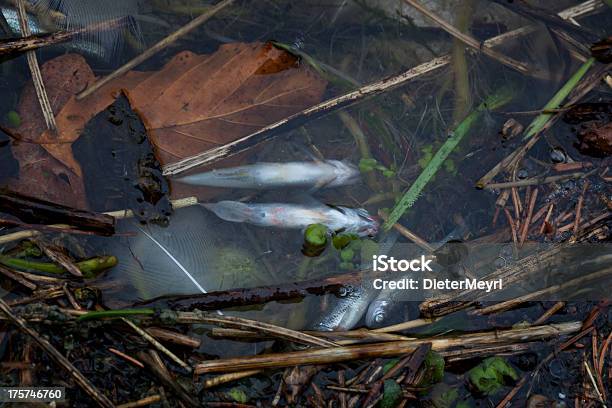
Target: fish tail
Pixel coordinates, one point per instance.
(233, 211)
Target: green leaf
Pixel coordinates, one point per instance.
(347, 254)
(389, 365)
(367, 164)
(392, 394)
(238, 395)
(434, 369)
(491, 375)
(340, 241)
(13, 119)
(316, 235)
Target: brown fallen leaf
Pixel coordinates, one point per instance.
(49, 171)
(193, 103)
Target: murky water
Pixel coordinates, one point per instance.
(362, 42)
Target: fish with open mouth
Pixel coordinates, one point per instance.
(295, 216)
(388, 301)
(311, 174)
(348, 310)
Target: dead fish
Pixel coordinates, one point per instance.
(294, 216)
(313, 174)
(388, 301)
(350, 308)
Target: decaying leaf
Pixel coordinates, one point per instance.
(193, 103)
(49, 171)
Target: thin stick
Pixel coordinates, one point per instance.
(393, 348)
(229, 377)
(512, 227)
(579, 207)
(176, 204)
(156, 48)
(119, 214)
(39, 84)
(330, 105)
(157, 344)
(56, 356)
(547, 314)
(408, 234)
(579, 282)
(17, 278)
(33, 42)
(126, 357)
(534, 181)
(602, 354)
(174, 337)
(547, 218)
(277, 331)
(406, 325)
(588, 369)
(516, 201)
(527, 222)
(142, 402)
(471, 41)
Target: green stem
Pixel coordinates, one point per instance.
(89, 268)
(115, 314)
(554, 103)
(501, 97)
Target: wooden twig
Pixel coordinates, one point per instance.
(17, 278)
(34, 230)
(512, 227)
(394, 348)
(536, 181)
(601, 399)
(157, 344)
(298, 119)
(142, 402)
(193, 24)
(471, 41)
(576, 282)
(546, 315)
(160, 371)
(174, 337)
(229, 377)
(37, 79)
(33, 42)
(527, 222)
(238, 322)
(38, 211)
(56, 356)
(262, 294)
(547, 218)
(408, 234)
(579, 207)
(124, 356)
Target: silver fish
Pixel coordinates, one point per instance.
(313, 174)
(349, 309)
(388, 301)
(294, 216)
